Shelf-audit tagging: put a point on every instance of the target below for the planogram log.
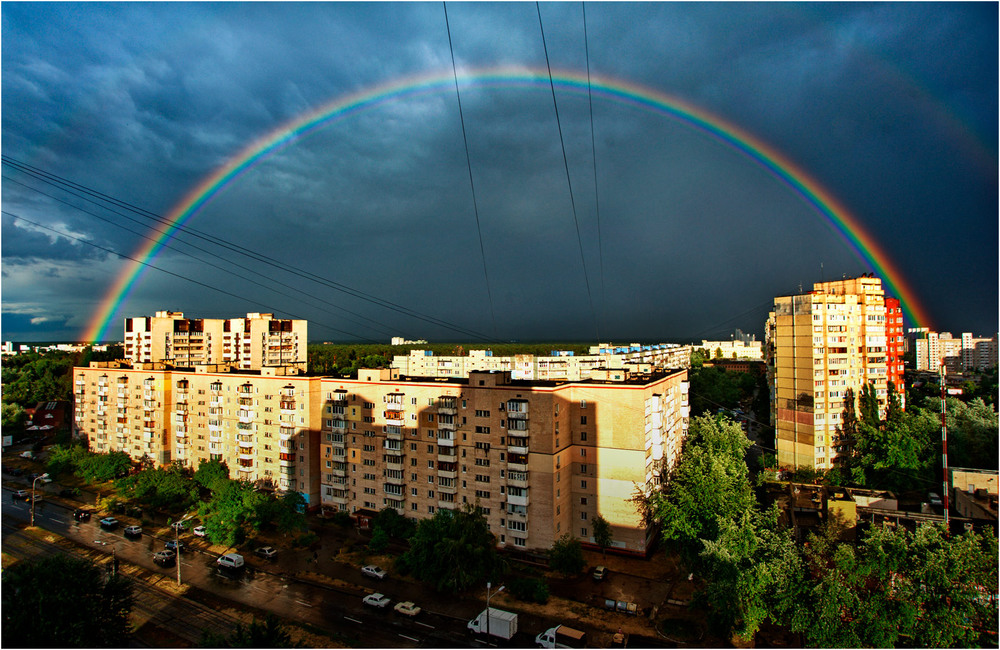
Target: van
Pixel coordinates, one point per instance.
(230, 561)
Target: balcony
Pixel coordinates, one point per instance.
(517, 466)
(339, 397)
(393, 433)
(447, 458)
(246, 416)
(245, 456)
(394, 463)
(339, 500)
(447, 505)
(446, 473)
(447, 405)
(447, 489)
(395, 417)
(447, 426)
(246, 444)
(445, 442)
(339, 471)
(517, 500)
(397, 481)
(517, 479)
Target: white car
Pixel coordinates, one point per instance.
(407, 608)
(179, 526)
(377, 600)
(373, 571)
(199, 531)
(230, 560)
(133, 531)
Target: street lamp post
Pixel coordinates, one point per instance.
(488, 596)
(45, 475)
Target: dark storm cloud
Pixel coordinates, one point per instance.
(888, 106)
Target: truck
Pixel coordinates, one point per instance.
(499, 623)
(561, 636)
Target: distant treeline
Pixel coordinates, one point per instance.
(347, 358)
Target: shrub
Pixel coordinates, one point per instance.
(532, 590)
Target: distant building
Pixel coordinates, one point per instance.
(746, 347)
(964, 354)
(250, 343)
(821, 344)
(559, 365)
(399, 340)
(895, 344)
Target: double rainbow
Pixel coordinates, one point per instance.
(862, 244)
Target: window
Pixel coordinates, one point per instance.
(583, 515)
(583, 532)
(583, 436)
(583, 403)
(583, 501)
(482, 414)
(583, 419)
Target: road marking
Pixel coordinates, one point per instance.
(410, 638)
(352, 620)
(302, 602)
(424, 624)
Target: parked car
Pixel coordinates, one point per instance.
(133, 531)
(81, 514)
(165, 558)
(27, 454)
(199, 531)
(68, 493)
(373, 571)
(599, 573)
(407, 608)
(109, 522)
(21, 495)
(266, 552)
(173, 545)
(377, 600)
(230, 561)
(179, 526)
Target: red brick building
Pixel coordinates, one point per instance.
(894, 345)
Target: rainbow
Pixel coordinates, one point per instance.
(832, 211)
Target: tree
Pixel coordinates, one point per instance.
(566, 555)
(453, 550)
(379, 541)
(64, 602)
(393, 523)
(899, 588)
(602, 532)
(160, 488)
(95, 468)
(233, 513)
(709, 484)
(212, 474)
(12, 418)
(63, 459)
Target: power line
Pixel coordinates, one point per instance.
(146, 236)
(176, 275)
(569, 183)
(178, 229)
(468, 162)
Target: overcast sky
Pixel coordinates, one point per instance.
(891, 108)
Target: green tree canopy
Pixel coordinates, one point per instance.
(212, 474)
(95, 468)
(566, 555)
(710, 484)
(163, 488)
(922, 589)
(602, 532)
(453, 550)
(64, 602)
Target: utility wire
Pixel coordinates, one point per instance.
(593, 148)
(569, 183)
(177, 229)
(176, 275)
(468, 162)
(145, 235)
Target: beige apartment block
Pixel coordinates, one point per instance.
(539, 458)
(250, 343)
(258, 423)
(820, 345)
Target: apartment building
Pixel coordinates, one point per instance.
(539, 458)
(257, 422)
(734, 349)
(895, 345)
(965, 354)
(819, 345)
(250, 343)
(560, 365)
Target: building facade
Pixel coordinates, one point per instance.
(820, 345)
(539, 458)
(895, 346)
(250, 343)
(965, 354)
(558, 366)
